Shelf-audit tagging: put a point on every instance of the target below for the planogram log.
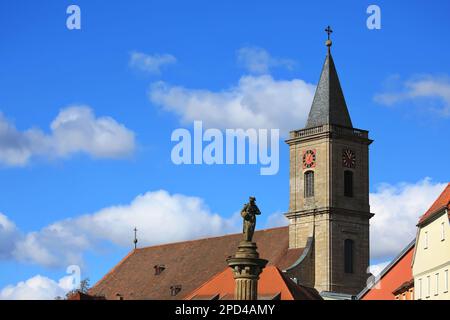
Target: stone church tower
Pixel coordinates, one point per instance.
(329, 193)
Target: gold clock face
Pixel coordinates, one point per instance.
(348, 158)
(309, 159)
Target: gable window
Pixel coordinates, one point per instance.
(348, 183)
(348, 256)
(442, 231)
(309, 184)
(425, 245)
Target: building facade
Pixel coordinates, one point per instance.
(431, 263)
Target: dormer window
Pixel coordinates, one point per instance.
(174, 290)
(159, 268)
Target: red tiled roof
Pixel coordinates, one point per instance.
(392, 277)
(187, 264)
(83, 296)
(272, 283)
(443, 201)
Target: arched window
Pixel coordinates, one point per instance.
(309, 184)
(348, 183)
(348, 256)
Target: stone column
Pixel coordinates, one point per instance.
(246, 266)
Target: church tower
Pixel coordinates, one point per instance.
(329, 192)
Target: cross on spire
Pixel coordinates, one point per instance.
(135, 237)
(328, 31)
(328, 42)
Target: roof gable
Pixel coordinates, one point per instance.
(443, 201)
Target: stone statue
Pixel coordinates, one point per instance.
(249, 212)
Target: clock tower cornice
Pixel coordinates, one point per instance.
(329, 131)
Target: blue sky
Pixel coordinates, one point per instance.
(395, 80)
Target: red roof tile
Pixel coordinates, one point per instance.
(187, 264)
(443, 201)
(272, 283)
(395, 274)
(83, 296)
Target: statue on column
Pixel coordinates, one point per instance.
(246, 263)
(249, 213)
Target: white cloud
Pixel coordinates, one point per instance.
(15, 146)
(431, 89)
(162, 217)
(259, 61)
(256, 102)
(397, 210)
(159, 216)
(276, 219)
(37, 288)
(74, 130)
(376, 269)
(151, 63)
(8, 236)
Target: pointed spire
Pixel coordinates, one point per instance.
(329, 105)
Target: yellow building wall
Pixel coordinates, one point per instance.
(431, 266)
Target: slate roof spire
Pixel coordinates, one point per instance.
(329, 105)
